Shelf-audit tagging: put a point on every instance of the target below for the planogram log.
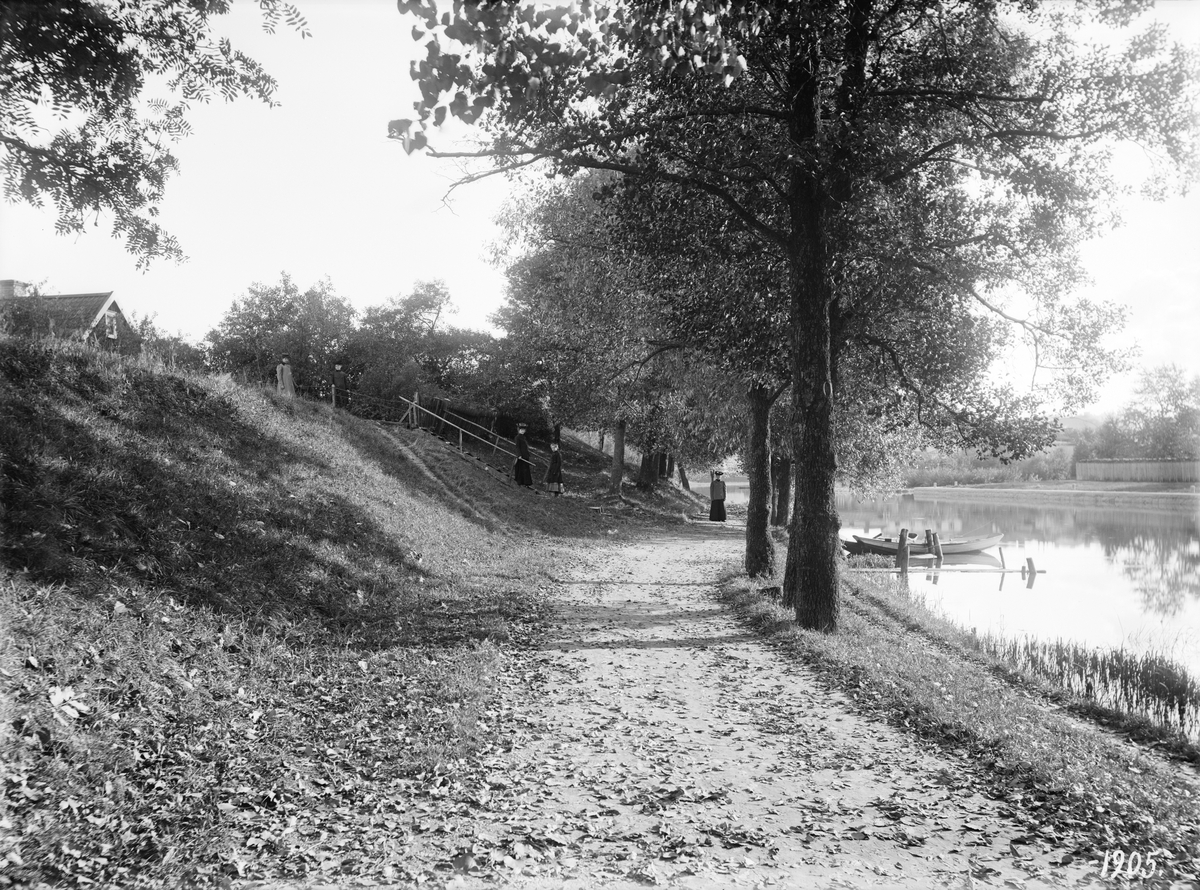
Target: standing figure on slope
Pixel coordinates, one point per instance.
(341, 387)
(523, 468)
(553, 480)
(284, 384)
(716, 494)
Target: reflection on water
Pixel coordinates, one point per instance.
(1114, 576)
(1165, 572)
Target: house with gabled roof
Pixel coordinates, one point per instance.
(95, 318)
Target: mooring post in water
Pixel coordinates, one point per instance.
(937, 547)
(1000, 550)
(902, 554)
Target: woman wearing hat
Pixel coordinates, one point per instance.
(716, 494)
(523, 469)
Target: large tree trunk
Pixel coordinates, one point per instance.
(760, 553)
(811, 576)
(670, 465)
(648, 473)
(813, 547)
(683, 479)
(781, 480)
(617, 474)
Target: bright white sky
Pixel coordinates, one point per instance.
(314, 188)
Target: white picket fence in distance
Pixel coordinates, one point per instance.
(1137, 470)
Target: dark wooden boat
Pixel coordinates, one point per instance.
(950, 546)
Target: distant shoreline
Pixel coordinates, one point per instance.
(1160, 496)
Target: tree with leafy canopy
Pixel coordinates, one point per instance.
(581, 330)
(976, 134)
(706, 413)
(723, 294)
(407, 345)
(312, 326)
(1161, 423)
(570, 337)
(90, 66)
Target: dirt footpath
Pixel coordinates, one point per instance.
(676, 748)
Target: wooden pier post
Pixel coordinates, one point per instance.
(902, 555)
(937, 547)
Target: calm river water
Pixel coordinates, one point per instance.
(1114, 576)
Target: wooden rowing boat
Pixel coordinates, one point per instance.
(950, 546)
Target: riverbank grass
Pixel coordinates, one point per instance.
(1077, 786)
(1146, 694)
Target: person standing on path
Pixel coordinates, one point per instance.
(523, 469)
(553, 478)
(284, 384)
(716, 494)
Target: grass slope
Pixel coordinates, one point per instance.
(240, 635)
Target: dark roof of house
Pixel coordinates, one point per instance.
(76, 312)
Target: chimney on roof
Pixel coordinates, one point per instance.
(10, 288)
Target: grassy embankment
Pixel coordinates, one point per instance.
(1071, 781)
(245, 635)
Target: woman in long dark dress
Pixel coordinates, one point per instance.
(716, 494)
(523, 468)
(553, 478)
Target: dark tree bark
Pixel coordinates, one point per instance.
(664, 470)
(781, 482)
(683, 479)
(760, 553)
(617, 475)
(648, 473)
(601, 445)
(811, 576)
(670, 466)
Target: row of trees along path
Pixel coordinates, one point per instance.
(916, 176)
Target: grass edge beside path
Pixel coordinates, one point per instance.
(1081, 789)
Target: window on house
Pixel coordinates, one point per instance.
(110, 324)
